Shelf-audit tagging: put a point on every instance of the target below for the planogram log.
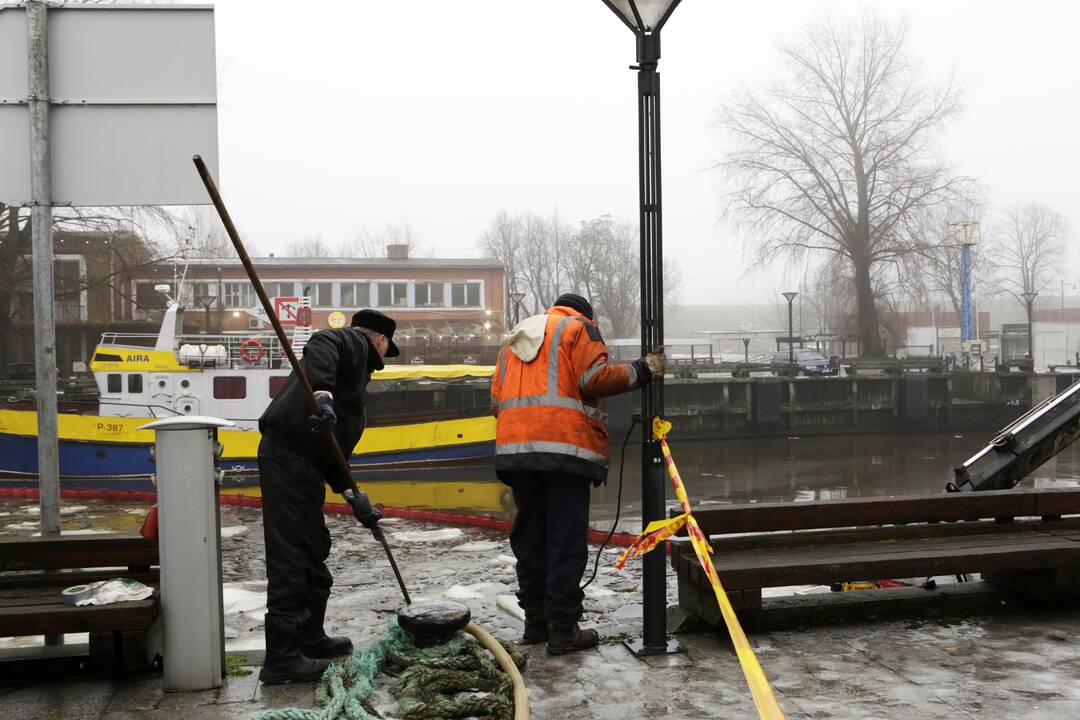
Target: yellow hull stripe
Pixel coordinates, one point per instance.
(477, 496)
(245, 443)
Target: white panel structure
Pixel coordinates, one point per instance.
(133, 93)
(189, 537)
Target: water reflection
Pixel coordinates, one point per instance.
(814, 468)
(792, 469)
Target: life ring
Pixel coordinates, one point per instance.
(303, 317)
(252, 350)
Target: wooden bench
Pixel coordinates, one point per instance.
(34, 571)
(1017, 539)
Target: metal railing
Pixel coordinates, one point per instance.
(236, 347)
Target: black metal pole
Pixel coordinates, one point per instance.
(790, 335)
(1031, 331)
(653, 491)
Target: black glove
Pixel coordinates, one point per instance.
(326, 421)
(368, 516)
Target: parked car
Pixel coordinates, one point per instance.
(807, 362)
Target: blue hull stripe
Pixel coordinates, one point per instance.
(18, 456)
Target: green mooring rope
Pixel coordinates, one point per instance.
(427, 680)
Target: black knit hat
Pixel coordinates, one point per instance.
(380, 323)
(575, 302)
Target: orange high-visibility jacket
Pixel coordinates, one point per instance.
(546, 396)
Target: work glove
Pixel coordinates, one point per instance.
(327, 419)
(657, 364)
(361, 506)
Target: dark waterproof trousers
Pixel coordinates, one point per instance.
(549, 539)
(297, 541)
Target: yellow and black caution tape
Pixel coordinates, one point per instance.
(660, 530)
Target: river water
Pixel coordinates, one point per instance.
(811, 468)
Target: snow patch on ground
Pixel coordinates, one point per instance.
(83, 531)
(598, 591)
(428, 536)
(64, 509)
(23, 526)
(236, 599)
(233, 531)
(468, 592)
(478, 546)
(509, 605)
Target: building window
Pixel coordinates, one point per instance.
(239, 295)
(68, 291)
(114, 383)
(321, 294)
(277, 384)
(279, 289)
(394, 294)
(429, 295)
(232, 387)
(355, 295)
(134, 383)
(465, 294)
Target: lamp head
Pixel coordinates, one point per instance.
(643, 16)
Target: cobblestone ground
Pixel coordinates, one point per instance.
(1022, 666)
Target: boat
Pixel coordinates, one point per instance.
(424, 420)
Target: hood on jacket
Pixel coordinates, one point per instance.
(527, 337)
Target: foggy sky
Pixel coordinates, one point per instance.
(353, 113)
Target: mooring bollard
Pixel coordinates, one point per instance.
(189, 542)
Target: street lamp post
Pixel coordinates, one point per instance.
(645, 18)
(790, 327)
(1029, 300)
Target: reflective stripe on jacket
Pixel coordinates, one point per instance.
(550, 417)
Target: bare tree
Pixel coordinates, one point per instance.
(839, 159)
(545, 257)
(371, 242)
(134, 238)
(312, 246)
(205, 236)
(1029, 248)
(935, 271)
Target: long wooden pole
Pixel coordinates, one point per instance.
(339, 457)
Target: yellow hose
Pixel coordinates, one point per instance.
(521, 696)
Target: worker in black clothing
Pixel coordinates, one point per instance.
(295, 461)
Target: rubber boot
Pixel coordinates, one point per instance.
(536, 626)
(563, 639)
(315, 643)
(284, 662)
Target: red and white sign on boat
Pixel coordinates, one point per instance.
(287, 309)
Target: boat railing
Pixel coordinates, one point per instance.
(201, 350)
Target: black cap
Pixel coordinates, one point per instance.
(575, 302)
(380, 323)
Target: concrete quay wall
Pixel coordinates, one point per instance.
(764, 406)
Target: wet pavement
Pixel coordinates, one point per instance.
(1020, 664)
(1017, 665)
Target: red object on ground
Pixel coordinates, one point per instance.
(453, 519)
(149, 529)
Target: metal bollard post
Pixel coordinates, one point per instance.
(189, 538)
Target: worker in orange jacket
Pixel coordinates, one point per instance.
(551, 443)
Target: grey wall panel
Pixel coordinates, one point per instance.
(131, 154)
(14, 154)
(123, 55)
(13, 70)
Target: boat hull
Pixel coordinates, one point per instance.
(97, 451)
